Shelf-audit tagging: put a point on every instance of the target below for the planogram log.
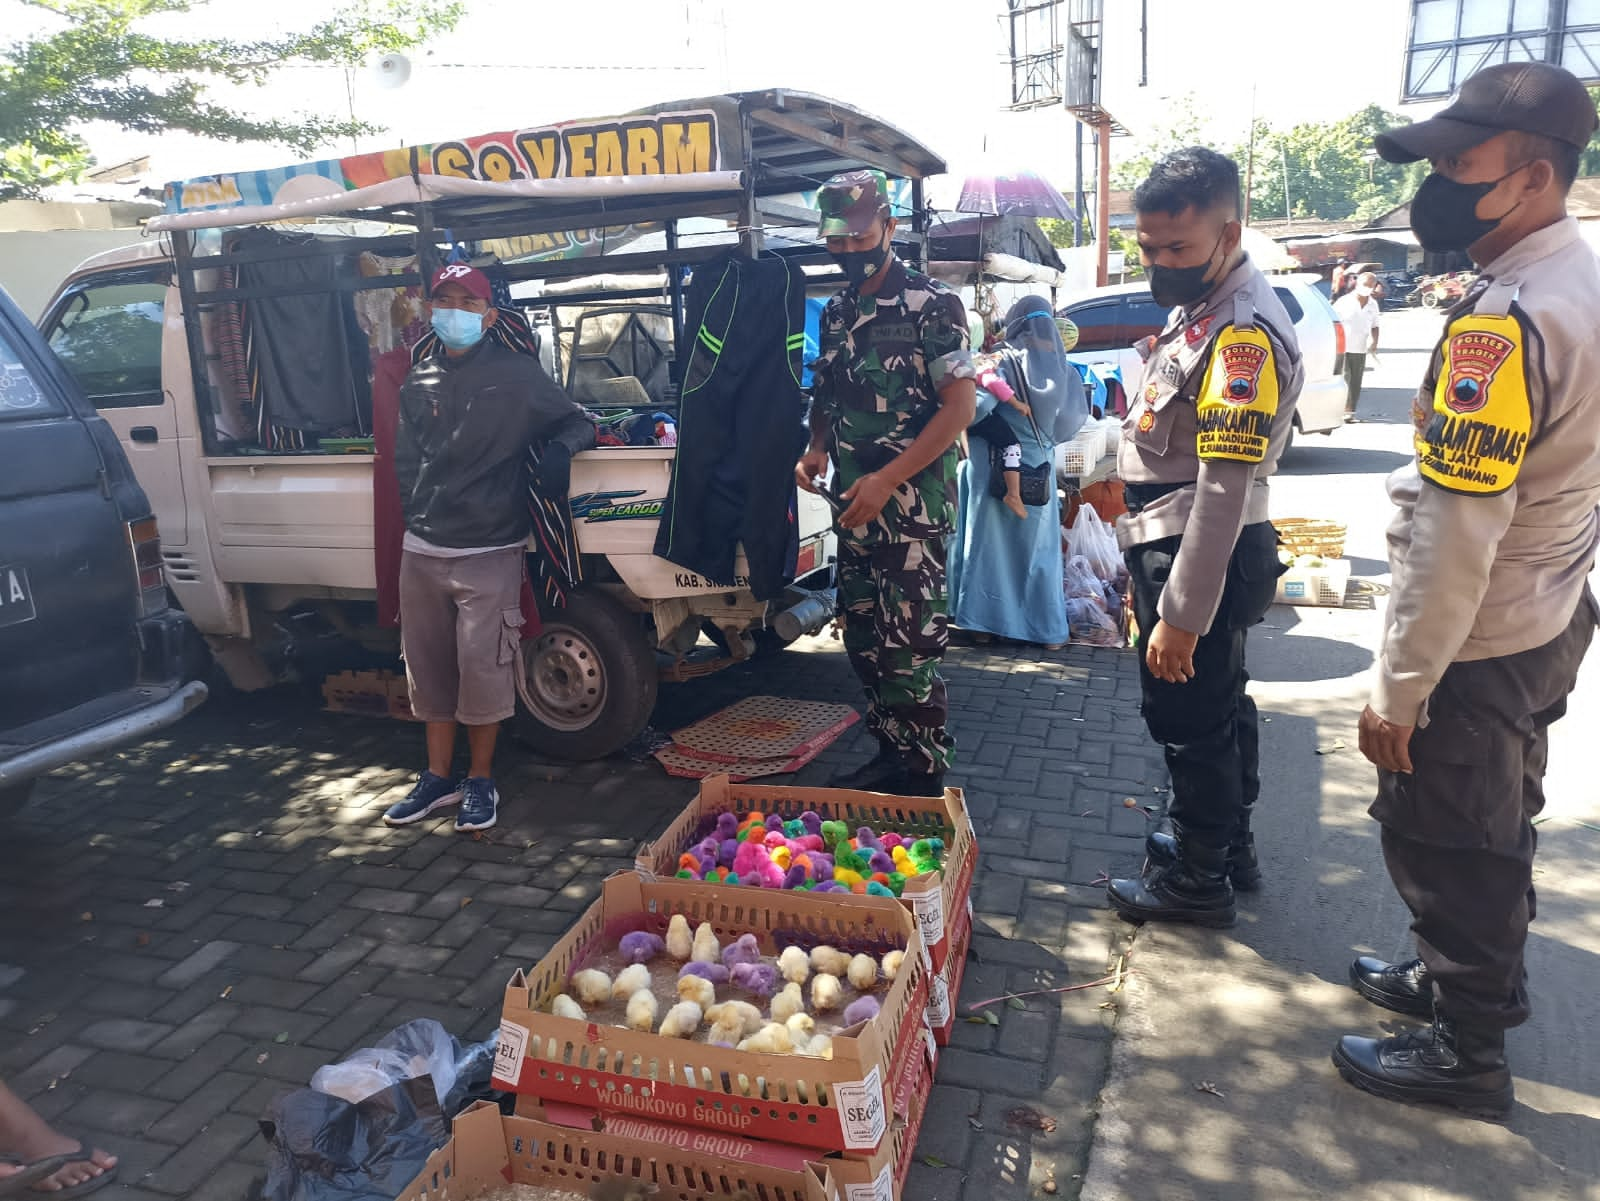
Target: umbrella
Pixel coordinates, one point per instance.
(1020, 194)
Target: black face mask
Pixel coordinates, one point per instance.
(861, 265)
(1444, 213)
(1179, 287)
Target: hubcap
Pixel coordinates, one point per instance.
(562, 679)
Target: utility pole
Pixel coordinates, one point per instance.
(1102, 223)
(1250, 157)
(1288, 215)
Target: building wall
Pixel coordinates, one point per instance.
(33, 264)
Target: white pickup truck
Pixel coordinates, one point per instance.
(271, 552)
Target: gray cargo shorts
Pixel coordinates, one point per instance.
(460, 629)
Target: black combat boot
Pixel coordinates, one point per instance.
(1446, 1064)
(881, 773)
(1191, 887)
(1244, 871)
(1402, 987)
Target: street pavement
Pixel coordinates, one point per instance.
(192, 926)
(1254, 1011)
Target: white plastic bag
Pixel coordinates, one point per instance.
(1090, 624)
(418, 1048)
(1079, 580)
(1092, 538)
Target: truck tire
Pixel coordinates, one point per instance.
(13, 797)
(587, 684)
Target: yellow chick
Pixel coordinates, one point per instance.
(827, 959)
(706, 948)
(629, 981)
(682, 1020)
(802, 1027)
(826, 992)
(771, 1039)
(891, 964)
(794, 965)
(680, 943)
(863, 972)
(697, 989)
(788, 1003)
(820, 1047)
(593, 987)
(642, 1010)
(747, 1015)
(726, 1027)
(565, 1007)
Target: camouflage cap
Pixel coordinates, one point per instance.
(850, 201)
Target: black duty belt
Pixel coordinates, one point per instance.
(1142, 496)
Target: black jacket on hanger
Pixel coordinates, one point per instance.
(741, 424)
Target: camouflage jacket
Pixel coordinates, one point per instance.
(876, 379)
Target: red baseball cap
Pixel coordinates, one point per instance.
(465, 276)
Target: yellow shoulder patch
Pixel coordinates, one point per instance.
(1238, 397)
(1475, 436)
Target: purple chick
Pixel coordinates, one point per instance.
(880, 862)
(822, 865)
(727, 852)
(713, 972)
(641, 946)
(859, 1010)
(775, 822)
(759, 979)
(744, 949)
(727, 825)
(866, 838)
(811, 822)
(795, 876)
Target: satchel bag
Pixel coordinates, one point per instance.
(1034, 483)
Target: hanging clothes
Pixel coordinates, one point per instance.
(302, 345)
(741, 424)
(390, 317)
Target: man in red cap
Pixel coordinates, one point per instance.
(1490, 549)
(466, 419)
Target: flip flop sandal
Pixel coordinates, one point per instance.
(20, 1184)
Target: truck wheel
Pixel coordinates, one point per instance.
(587, 683)
(14, 797)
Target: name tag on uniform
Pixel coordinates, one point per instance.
(893, 331)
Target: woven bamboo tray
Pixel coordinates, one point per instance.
(1309, 536)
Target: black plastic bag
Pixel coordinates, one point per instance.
(325, 1149)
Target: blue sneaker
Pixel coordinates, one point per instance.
(480, 804)
(431, 792)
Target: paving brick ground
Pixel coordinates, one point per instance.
(194, 925)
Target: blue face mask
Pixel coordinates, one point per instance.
(458, 329)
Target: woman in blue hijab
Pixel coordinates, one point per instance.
(1006, 573)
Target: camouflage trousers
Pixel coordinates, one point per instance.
(896, 628)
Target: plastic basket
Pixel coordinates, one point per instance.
(1075, 458)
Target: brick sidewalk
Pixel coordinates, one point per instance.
(192, 925)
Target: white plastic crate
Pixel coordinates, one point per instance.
(1076, 458)
(1320, 586)
(1112, 427)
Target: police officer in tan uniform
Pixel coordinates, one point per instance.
(1210, 418)
(1490, 549)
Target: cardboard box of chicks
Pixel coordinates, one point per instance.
(923, 850)
(491, 1157)
(767, 1014)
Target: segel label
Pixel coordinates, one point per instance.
(861, 1112)
(929, 908)
(938, 1002)
(510, 1051)
(881, 1189)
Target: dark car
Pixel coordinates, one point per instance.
(91, 655)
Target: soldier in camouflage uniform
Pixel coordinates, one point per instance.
(892, 389)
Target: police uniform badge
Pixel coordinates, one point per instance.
(1238, 398)
(1473, 438)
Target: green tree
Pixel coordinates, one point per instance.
(1331, 170)
(1131, 163)
(99, 65)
